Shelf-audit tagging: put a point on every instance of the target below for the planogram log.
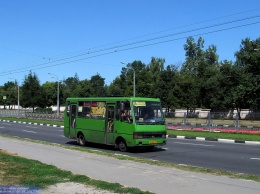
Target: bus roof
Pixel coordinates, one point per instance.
(112, 99)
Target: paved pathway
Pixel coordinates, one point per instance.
(161, 180)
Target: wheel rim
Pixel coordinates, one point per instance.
(122, 146)
(81, 140)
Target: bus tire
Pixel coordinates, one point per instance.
(81, 140)
(122, 145)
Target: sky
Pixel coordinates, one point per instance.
(90, 37)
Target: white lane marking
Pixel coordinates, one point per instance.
(62, 135)
(200, 138)
(6, 124)
(195, 144)
(29, 131)
(31, 127)
(226, 140)
(2, 127)
(255, 158)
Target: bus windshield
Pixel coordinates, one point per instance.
(146, 112)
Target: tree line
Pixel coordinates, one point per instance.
(201, 81)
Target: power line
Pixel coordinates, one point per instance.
(177, 28)
(131, 48)
(127, 45)
(117, 48)
(84, 53)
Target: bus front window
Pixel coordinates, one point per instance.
(148, 112)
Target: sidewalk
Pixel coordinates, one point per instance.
(161, 180)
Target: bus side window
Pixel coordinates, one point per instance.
(118, 111)
(68, 109)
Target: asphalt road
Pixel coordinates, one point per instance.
(238, 158)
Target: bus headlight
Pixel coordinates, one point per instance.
(137, 136)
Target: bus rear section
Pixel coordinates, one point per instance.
(123, 122)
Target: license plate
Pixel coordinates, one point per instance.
(153, 142)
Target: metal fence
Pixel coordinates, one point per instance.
(217, 121)
(28, 113)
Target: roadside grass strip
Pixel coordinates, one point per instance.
(19, 171)
(215, 129)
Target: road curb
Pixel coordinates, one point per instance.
(215, 140)
(30, 123)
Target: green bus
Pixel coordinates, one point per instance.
(123, 122)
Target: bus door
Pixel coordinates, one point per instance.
(109, 132)
(72, 120)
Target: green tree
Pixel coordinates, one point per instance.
(2, 94)
(186, 91)
(248, 56)
(192, 69)
(194, 56)
(32, 94)
(144, 83)
(127, 78)
(246, 94)
(83, 89)
(49, 90)
(164, 87)
(220, 87)
(97, 84)
(10, 91)
(208, 72)
(115, 88)
(69, 86)
(202, 67)
(154, 77)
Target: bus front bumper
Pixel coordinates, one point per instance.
(148, 142)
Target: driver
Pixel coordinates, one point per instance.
(125, 116)
(149, 115)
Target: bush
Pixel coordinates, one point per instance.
(43, 110)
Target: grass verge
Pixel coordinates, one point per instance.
(15, 170)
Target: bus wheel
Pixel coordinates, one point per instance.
(122, 145)
(81, 140)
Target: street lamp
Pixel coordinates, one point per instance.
(18, 96)
(58, 93)
(133, 78)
